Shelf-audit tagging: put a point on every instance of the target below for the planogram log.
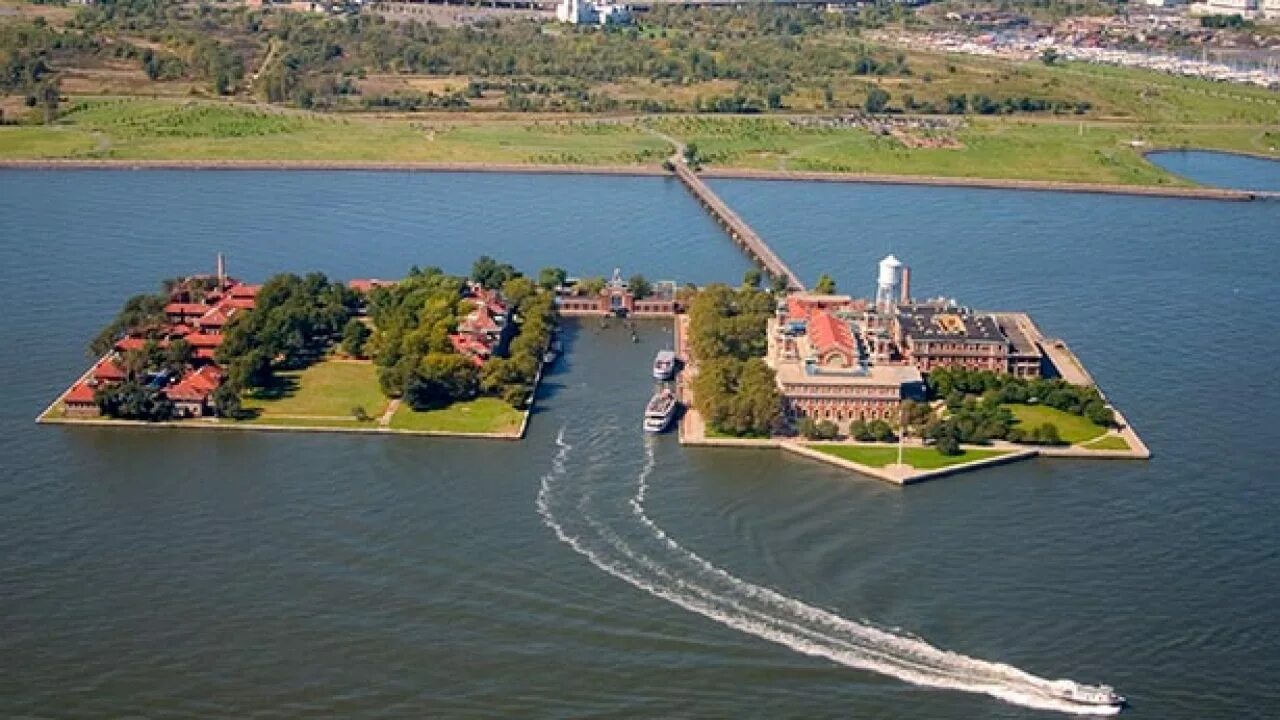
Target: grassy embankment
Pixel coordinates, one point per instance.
(327, 394)
(192, 130)
(1072, 429)
(1108, 442)
(917, 457)
(482, 415)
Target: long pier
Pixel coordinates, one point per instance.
(741, 233)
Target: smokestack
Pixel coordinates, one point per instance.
(222, 272)
(905, 299)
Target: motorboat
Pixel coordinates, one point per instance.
(664, 365)
(1100, 695)
(660, 410)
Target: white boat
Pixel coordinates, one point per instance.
(660, 411)
(1101, 695)
(664, 365)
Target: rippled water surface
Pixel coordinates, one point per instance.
(1221, 169)
(200, 574)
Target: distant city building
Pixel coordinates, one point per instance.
(843, 359)
(593, 12)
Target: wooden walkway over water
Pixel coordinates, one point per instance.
(741, 233)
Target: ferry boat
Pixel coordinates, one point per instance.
(664, 365)
(1099, 695)
(660, 410)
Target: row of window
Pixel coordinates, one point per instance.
(841, 415)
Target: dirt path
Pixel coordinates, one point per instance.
(385, 419)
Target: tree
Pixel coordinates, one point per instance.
(490, 273)
(591, 285)
(1047, 434)
(691, 155)
(880, 431)
(1050, 56)
(820, 430)
(550, 278)
(226, 401)
(440, 379)
(251, 370)
(825, 286)
(752, 278)
(877, 100)
(355, 335)
(639, 286)
(518, 289)
(948, 445)
(778, 284)
(50, 96)
(131, 400)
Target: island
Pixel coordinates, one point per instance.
(430, 354)
(895, 387)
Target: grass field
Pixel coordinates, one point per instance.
(482, 415)
(917, 457)
(1110, 442)
(1071, 428)
(1019, 147)
(195, 130)
(992, 148)
(324, 393)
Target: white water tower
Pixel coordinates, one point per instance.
(889, 284)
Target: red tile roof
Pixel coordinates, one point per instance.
(216, 317)
(203, 340)
(108, 370)
(185, 309)
(472, 347)
(126, 344)
(827, 333)
(196, 386)
(245, 290)
(239, 303)
(479, 320)
(79, 394)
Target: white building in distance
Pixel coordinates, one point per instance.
(593, 12)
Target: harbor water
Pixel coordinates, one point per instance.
(592, 570)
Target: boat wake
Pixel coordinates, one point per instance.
(604, 519)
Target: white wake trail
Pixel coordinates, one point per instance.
(656, 563)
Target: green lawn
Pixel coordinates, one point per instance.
(1071, 428)
(1110, 442)
(917, 457)
(328, 390)
(1002, 148)
(482, 415)
(197, 130)
(1040, 147)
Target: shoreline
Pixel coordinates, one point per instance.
(1180, 192)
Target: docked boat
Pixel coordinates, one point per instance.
(664, 365)
(553, 352)
(660, 411)
(1100, 695)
